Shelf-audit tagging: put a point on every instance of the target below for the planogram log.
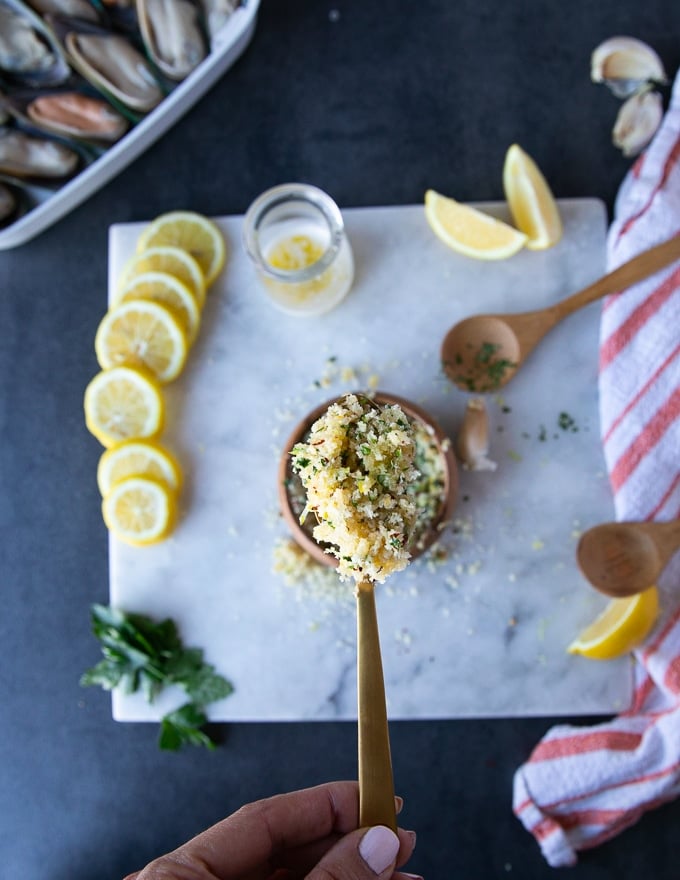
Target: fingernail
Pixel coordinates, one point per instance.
(412, 876)
(398, 804)
(379, 848)
(411, 838)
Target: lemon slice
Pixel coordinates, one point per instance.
(191, 232)
(172, 260)
(623, 624)
(123, 403)
(532, 204)
(140, 510)
(469, 231)
(169, 291)
(141, 332)
(138, 458)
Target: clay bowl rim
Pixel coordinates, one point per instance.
(450, 495)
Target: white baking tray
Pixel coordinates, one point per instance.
(226, 47)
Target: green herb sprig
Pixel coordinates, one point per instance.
(141, 654)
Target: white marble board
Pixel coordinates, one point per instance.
(481, 633)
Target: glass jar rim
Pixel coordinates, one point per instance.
(280, 195)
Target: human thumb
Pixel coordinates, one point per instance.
(360, 855)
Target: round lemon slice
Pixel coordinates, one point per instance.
(172, 260)
(138, 458)
(123, 403)
(139, 510)
(142, 332)
(469, 231)
(169, 291)
(191, 232)
(532, 204)
(623, 624)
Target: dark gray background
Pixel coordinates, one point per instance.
(376, 106)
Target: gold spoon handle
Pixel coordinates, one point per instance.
(376, 785)
(637, 269)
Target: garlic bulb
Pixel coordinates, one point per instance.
(637, 122)
(626, 64)
(472, 442)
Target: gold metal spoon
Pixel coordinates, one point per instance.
(376, 784)
(483, 353)
(624, 558)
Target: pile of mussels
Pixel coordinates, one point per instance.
(75, 75)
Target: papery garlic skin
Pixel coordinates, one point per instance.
(637, 122)
(472, 442)
(626, 64)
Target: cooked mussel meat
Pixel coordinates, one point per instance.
(76, 115)
(172, 35)
(217, 12)
(25, 156)
(8, 203)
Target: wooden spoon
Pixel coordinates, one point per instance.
(483, 353)
(376, 784)
(624, 558)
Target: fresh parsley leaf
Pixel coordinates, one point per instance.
(183, 727)
(141, 654)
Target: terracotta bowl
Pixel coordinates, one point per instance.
(450, 472)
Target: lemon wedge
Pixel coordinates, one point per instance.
(532, 204)
(191, 232)
(139, 510)
(170, 292)
(623, 624)
(123, 403)
(138, 458)
(174, 261)
(142, 332)
(470, 231)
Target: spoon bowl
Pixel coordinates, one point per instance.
(624, 558)
(291, 505)
(483, 353)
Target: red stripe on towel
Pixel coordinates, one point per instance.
(637, 319)
(673, 157)
(624, 412)
(585, 742)
(648, 438)
(664, 498)
(661, 636)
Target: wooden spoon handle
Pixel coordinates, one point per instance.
(637, 269)
(376, 785)
(666, 536)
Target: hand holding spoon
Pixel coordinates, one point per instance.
(483, 353)
(624, 558)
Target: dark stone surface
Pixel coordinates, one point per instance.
(374, 107)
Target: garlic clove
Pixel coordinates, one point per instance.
(637, 122)
(625, 64)
(472, 442)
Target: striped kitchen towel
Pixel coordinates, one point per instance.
(583, 785)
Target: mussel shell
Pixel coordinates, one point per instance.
(80, 9)
(73, 114)
(112, 64)
(29, 51)
(172, 35)
(26, 157)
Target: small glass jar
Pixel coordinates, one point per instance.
(295, 236)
